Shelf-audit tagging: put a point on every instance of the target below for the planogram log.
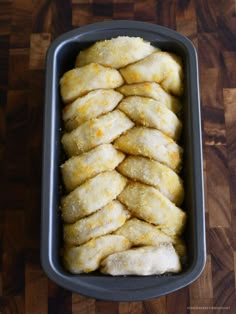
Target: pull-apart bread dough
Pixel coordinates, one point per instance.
(79, 81)
(152, 90)
(87, 257)
(160, 67)
(102, 130)
(90, 106)
(104, 221)
(152, 144)
(78, 169)
(116, 53)
(153, 173)
(140, 232)
(147, 203)
(149, 260)
(122, 122)
(92, 195)
(150, 113)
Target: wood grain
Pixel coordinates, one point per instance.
(230, 121)
(151, 306)
(27, 28)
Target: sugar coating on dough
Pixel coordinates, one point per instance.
(151, 113)
(153, 144)
(153, 173)
(87, 257)
(160, 67)
(92, 195)
(152, 90)
(104, 221)
(90, 106)
(79, 81)
(102, 130)
(116, 52)
(78, 169)
(144, 261)
(140, 232)
(122, 122)
(147, 203)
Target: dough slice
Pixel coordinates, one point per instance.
(149, 260)
(90, 106)
(151, 113)
(95, 132)
(92, 195)
(160, 67)
(87, 257)
(104, 221)
(149, 204)
(78, 169)
(154, 173)
(116, 52)
(80, 81)
(143, 233)
(152, 90)
(153, 144)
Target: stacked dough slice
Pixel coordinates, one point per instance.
(121, 211)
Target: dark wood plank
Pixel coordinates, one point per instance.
(107, 307)
(218, 186)
(146, 11)
(206, 15)
(41, 16)
(222, 267)
(4, 53)
(61, 17)
(39, 44)
(5, 18)
(13, 266)
(130, 308)
(123, 10)
(165, 12)
(14, 304)
(83, 305)
(18, 68)
(154, 305)
(228, 66)
(201, 291)
(230, 120)
(21, 23)
(36, 292)
(177, 302)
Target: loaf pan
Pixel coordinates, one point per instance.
(60, 58)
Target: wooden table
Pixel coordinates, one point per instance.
(26, 29)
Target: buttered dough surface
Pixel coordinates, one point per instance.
(154, 91)
(153, 144)
(92, 105)
(78, 169)
(150, 113)
(92, 195)
(147, 203)
(101, 130)
(87, 257)
(116, 52)
(143, 261)
(122, 189)
(160, 67)
(77, 82)
(154, 173)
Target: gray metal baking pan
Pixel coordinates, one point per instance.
(60, 58)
